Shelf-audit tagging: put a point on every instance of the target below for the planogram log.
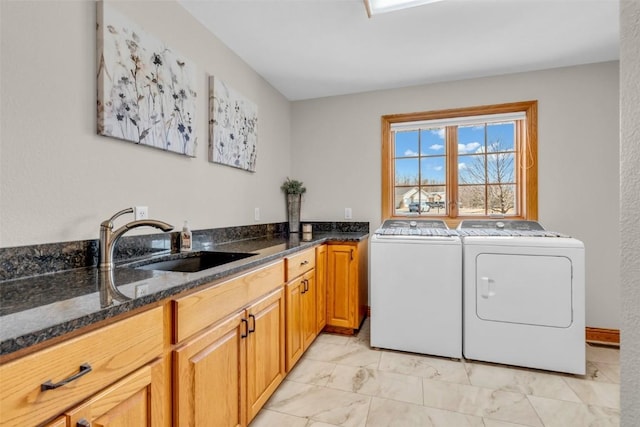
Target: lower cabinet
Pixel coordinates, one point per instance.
(347, 284)
(321, 287)
(301, 316)
(265, 350)
(223, 376)
(135, 400)
(212, 357)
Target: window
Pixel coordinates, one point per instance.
(475, 162)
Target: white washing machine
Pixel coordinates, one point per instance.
(416, 288)
(524, 296)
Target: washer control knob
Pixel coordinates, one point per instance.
(500, 225)
(413, 224)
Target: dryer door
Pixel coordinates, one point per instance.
(526, 289)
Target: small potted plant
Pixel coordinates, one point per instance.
(293, 190)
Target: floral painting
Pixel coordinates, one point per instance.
(233, 127)
(145, 89)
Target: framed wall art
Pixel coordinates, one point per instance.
(146, 90)
(233, 127)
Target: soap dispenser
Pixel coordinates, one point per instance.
(186, 238)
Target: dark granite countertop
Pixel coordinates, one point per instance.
(38, 308)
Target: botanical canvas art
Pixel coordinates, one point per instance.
(233, 127)
(145, 89)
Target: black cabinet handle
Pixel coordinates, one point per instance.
(82, 422)
(246, 328)
(85, 368)
(305, 262)
(251, 316)
(304, 287)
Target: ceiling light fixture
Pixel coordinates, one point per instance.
(375, 7)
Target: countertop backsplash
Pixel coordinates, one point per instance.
(34, 260)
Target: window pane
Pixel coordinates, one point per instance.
(436, 200)
(500, 168)
(403, 198)
(502, 199)
(501, 136)
(432, 142)
(433, 170)
(471, 200)
(470, 139)
(407, 143)
(471, 169)
(494, 162)
(406, 171)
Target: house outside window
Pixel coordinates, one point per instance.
(476, 162)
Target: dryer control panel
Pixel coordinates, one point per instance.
(482, 227)
(516, 224)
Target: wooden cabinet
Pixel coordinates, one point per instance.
(301, 316)
(209, 376)
(321, 287)
(265, 350)
(347, 285)
(225, 373)
(301, 305)
(209, 357)
(40, 386)
(135, 400)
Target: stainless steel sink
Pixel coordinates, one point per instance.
(196, 261)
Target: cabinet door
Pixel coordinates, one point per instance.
(293, 302)
(321, 287)
(209, 376)
(308, 311)
(135, 400)
(342, 303)
(265, 350)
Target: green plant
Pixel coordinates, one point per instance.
(293, 186)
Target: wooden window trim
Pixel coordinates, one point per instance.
(528, 158)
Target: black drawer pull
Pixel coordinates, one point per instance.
(252, 317)
(245, 322)
(85, 368)
(305, 262)
(83, 423)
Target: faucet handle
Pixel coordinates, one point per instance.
(109, 222)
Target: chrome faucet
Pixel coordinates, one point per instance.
(109, 238)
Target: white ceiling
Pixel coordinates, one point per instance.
(316, 48)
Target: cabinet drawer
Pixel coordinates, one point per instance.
(300, 263)
(112, 352)
(196, 311)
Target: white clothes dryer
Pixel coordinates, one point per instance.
(524, 296)
(416, 288)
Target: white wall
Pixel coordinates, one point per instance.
(336, 149)
(59, 179)
(630, 206)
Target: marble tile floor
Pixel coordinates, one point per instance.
(341, 381)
